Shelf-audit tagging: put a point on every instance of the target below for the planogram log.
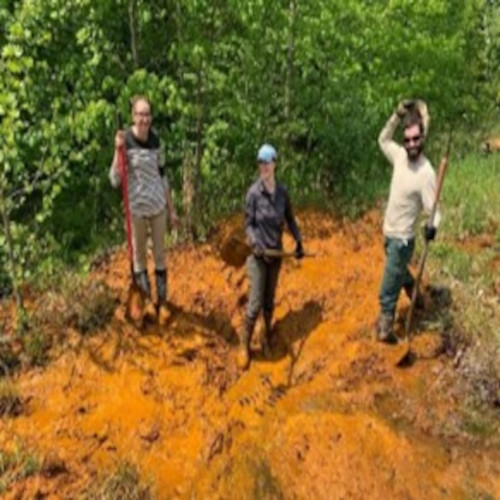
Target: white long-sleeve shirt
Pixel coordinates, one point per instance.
(413, 186)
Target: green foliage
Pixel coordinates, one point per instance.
(8, 359)
(16, 464)
(463, 258)
(77, 301)
(35, 346)
(10, 402)
(471, 191)
(314, 78)
(91, 305)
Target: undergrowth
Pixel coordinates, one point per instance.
(15, 465)
(464, 259)
(124, 483)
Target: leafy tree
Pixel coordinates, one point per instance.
(316, 78)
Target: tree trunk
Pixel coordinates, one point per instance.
(188, 192)
(132, 21)
(10, 253)
(192, 166)
(290, 59)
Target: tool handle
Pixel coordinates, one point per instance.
(123, 167)
(442, 171)
(269, 252)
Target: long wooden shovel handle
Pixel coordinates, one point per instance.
(269, 252)
(122, 165)
(442, 171)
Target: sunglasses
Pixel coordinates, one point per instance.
(415, 138)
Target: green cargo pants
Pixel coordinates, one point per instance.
(398, 254)
(263, 278)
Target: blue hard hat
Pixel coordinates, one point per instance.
(266, 154)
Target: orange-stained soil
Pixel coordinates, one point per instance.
(330, 416)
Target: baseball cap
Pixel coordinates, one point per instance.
(266, 154)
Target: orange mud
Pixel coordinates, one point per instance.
(330, 416)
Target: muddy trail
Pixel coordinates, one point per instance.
(329, 416)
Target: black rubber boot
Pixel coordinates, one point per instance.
(384, 329)
(265, 340)
(243, 358)
(142, 281)
(161, 289)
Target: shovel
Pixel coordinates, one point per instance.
(134, 296)
(234, 252)
(407, 356)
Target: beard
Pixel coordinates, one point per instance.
(414, 152)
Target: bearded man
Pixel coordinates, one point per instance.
(413, 187)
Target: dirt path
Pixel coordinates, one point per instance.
(328, 417)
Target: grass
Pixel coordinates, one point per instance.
(77, 301)
(462, 259)
(9, 360)
(36, 345)
(124, 483)
(73, 301)
(92, 305)
(10, 401)
(471, 198)
(266, 485)
(15, 465)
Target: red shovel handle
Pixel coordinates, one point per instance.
(122, 163)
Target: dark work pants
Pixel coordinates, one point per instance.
(398, 254)
(263, 278)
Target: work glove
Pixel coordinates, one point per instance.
(429, 232)
(258, 250)
(299, 250)
(404, 106)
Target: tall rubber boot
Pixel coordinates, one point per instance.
(385, 329)
(148, 310)
(161, 287)
(265, 338)
(243, 357)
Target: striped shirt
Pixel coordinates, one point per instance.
(146, 178)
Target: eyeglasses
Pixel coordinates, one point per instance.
(142, 114)
(415, 138)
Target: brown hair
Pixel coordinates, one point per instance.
(413, 117)
(139, 97)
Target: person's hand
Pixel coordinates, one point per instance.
(429, 232)
(258, 250)
(119, 139)
(174, 219)
(299, 250)
(404, 106)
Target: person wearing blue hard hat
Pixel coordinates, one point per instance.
(267, 208)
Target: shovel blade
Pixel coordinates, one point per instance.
(404, 357)
(234, 252)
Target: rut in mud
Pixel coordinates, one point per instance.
(329, 416)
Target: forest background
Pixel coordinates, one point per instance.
(316, 78)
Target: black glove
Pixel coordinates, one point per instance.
(404, 106)
(429, 232)
(258, 250)
(299, 250)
